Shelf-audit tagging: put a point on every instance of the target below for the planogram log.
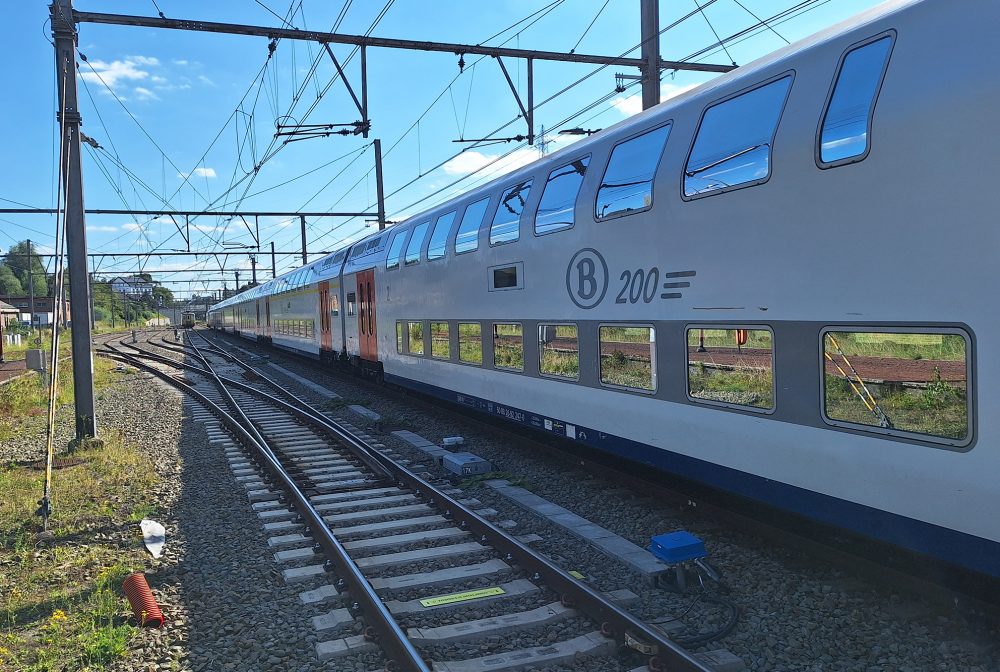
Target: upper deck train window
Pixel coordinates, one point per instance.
(848, 118)
(467, 239)
(416, 242)
(395, 250)
(627, 186)
(733, 145)
(506, 226)
(439, 237)
(555, 211)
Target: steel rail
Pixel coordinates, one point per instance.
(374, 612)
(615, 622)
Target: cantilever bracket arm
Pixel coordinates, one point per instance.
(529, 112)
(362, 104)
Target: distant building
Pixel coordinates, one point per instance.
(132, 286)
(44, 309)
(8, 314)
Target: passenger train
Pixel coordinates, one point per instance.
(776, 284)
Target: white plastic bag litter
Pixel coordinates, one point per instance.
(154, 536)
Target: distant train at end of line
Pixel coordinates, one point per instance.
(779, 284)
(187, 320)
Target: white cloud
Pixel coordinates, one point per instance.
(101, 229)
(115, 73)
(180, 61)
(143, 93)
(131, 226)
(205, 80)
(144, 60)
(470, 161)
(199, 172)
(629, 105)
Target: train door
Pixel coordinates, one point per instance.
(267, 314)
(366, 315)
(325, 335)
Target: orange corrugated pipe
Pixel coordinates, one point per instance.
(144, 605)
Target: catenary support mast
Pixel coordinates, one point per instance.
(64, 33)
(650, 31)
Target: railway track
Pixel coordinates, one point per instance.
(397, 558)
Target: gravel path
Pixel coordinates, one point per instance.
(796, 614)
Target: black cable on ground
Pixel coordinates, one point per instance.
(719, 633)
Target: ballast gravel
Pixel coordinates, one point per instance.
(225, 602)
(796, 613)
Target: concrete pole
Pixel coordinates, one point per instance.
(64, 33)
(379, 190)
(31, 291)
(305, 255)
(650, 23)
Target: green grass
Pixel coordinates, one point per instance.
(618, 369)
(470, 343)
(947, 347)
(508, 346)
(61, 605)
(940, 409)
(743, 386)
(625, 334)
(726, 338)
(440, 346)
(25, 399)
(560, 363)
(415, 335)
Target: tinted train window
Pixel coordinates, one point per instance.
(628, 181)
(352, 302)
(439, 237)
(908, 382)
(733, 145)
(470, 343)
(731, 366)
(467, 239)
(555, 211)
(847, 122)
(559, 351)
(628, 357)
(506, 226)
(395, 250)
(415, 337)
(508, 347)
(416, 242)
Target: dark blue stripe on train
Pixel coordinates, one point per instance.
(958, 548)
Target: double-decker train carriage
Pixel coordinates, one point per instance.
(769, 284)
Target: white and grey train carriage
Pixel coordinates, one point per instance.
(778, 284)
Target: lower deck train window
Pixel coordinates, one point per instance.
(559, 351)
(440, 345)
(351, 303)
(399, 337)
(470, 343)
(628, 357)
(415, 337)
(508, 346)
(731, 366)
(906, 382)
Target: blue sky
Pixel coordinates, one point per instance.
(185, 90)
